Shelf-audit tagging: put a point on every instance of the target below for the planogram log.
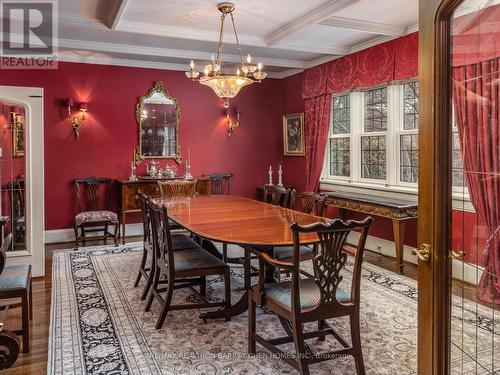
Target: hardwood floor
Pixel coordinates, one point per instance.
(35, 362)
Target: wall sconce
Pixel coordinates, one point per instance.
(232, 125)
(77, 123)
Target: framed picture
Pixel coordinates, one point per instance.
(293, 135)
(18, 138)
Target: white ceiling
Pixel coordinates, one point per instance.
(286, 35)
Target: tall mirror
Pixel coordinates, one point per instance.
(158, 116)
(12, 176)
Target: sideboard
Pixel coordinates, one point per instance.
(129, 203)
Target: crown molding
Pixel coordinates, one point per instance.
(363, 26)
(98, 59)
(300, 24)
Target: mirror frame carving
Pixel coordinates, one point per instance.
(157, 88)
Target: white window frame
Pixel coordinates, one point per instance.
(326, 169)
(401, 131)
(392, 186)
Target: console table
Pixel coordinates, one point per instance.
(399, 211)
(129, 204)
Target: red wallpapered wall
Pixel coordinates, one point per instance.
(109, 135)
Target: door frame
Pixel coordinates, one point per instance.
(31, 99)
(435, 198)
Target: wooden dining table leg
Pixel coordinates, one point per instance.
(242, 305)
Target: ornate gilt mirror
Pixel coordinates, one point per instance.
(158, 115)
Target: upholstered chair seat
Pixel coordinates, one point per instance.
(196, 259)
(15, 277)
(286, 252)
(310, 295)
(15, 291)
(96, 217)
(183, 242)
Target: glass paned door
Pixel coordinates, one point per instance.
(474, 133)
(459, 187)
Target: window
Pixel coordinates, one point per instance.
(374, 136)
(373, 147)
(408, 138)
(340, 141)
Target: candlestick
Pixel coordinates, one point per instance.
(189, 156)
(280, 177)
(132, 177)
(270, 172)
(270, 169)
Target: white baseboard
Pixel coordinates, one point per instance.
(461, 270)
(68, 235)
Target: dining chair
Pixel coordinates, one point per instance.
(315, 299)
(310, 203)
(220, 183)
(179, 242)
(16, 291)
(277, 195)
(177, 187)
(181, 269)
(17, 199)
(93, 215)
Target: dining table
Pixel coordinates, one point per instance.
(253, 225)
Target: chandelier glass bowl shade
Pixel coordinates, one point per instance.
(227, 86)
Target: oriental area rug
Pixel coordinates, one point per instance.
(98, 325)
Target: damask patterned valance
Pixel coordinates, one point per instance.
(393, 60)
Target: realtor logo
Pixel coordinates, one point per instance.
(29, 34)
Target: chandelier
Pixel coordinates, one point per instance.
(227, 86)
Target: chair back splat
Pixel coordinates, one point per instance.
(177, 187)
(330, 258)
(220, 183)
(88, 192)
(162, 239)
(277, 195)
(309, 202)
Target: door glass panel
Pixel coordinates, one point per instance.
(475, 171)
(12, 172)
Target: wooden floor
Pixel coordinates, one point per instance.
(35, 362)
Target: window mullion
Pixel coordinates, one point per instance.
(356, 129)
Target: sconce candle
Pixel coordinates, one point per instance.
(77, 124)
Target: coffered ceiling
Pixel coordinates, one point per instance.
(286, 35)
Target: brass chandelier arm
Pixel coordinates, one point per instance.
(218, 59)
(237, 40)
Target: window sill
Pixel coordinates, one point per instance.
(461, 201)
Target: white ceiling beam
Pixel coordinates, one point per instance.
(135, 50)
(213, 36)
(312, 18)
(363, 26)
(114, 19)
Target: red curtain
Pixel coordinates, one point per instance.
(317, 122)
(476, 100)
